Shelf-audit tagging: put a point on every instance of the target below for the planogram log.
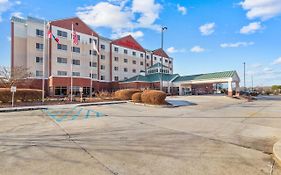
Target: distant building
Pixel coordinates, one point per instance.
(121, 63)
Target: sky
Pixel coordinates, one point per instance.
(203, 36)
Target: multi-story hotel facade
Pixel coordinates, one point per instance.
(113, 64)
(116, 60)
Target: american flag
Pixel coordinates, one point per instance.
(75, 38)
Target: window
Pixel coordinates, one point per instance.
(93, 64)
(61, 60)
(102, 47)
(125, 70)
(77, 74)
(102, 67)
(166, 61)
(90, 40)
(116, 58)
(116, 78)
(147, 64)
(116, 49)
(62, 34)
(75, 62)
(125, 51)
(134, 71)
(60, 90)
(170, 61)
(125, 78)
(116, 68)
(134, 53)
(134, 62)
(39, 60)
(141, 55)
(147, 56)
(39, 73)
(39, 46)
(92, 52)
(76, 49)
(39, 32)
(141, 63)
(125, 60)
(102, 77)
(62, 47)
(155, 58)
(94, 76)
(62, 73)
(102, 57)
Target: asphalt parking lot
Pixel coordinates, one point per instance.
(215, 136)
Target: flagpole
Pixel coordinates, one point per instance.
(44, 58)
(91, 90)
(71, 50)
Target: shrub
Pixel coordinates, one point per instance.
(126, 94)
(20, 95)
(104, 94)
(136, 97)
(153, 97)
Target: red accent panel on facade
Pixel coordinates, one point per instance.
(160, 52)
(65, 81)
(67, 24)
(12, 44)
(128, 42)
(110, 62)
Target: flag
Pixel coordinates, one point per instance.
(75, 38)
(95, 47)
(50, 35)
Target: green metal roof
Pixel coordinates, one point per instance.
(151, 78)
(216, 75)
(168, 77)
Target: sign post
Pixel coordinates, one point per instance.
(81, 93)
(13, 90)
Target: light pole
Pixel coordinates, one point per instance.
(244, 76)
(162, 41)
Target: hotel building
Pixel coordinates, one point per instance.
(121, 63)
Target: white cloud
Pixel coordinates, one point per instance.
(5, 5)
(17, 14)
(174, 50)
(251, 28)
(277, 61)
(237, 44)
(207, 29)
(136, 34)
(197, 49)
(122, 17)
(263, 9)
(181, 9)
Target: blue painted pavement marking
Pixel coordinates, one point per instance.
(76, 115)
(66, 114)
(88, 114)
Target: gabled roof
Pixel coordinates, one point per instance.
(157, 65)
(216, 75)
(81, 27)
(151, 78)
(128, 42)
(160, 52)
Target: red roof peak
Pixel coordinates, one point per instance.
(67, 24)
(128, 42)
(160, 52)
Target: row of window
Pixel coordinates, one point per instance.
(125, 51)
(156, 71)
(125, 69)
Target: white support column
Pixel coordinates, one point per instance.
(230, 88)
(180, 90)
(237, 88)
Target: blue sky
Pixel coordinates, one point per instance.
(202, 36)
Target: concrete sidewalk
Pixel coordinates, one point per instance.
(277, 152)
(29, 108)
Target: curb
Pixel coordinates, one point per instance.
(277, 152)
(149, 105)
(32, 108)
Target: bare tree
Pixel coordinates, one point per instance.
(13, 76)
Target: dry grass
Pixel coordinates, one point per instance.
(22, 95)
(153, 97)
(126, 94)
